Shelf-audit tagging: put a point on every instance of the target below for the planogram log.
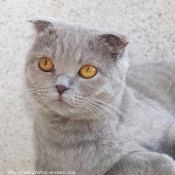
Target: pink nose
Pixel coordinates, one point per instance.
(61, 89)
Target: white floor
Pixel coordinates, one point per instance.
(150, 26)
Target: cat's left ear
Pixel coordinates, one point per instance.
(42, 23)
(113, 45)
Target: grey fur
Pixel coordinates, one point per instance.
(107, 125)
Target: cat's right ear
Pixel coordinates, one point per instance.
(41, 23)
(112, 44)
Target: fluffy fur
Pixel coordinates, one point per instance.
(106, 125)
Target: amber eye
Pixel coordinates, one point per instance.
(45, 64)
(88, 71)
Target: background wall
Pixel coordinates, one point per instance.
(150, 25)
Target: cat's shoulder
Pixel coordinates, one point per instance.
(155, 81)
(151, 73)
(161, 67)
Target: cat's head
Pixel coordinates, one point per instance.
(73, 70)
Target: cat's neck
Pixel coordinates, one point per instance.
(72, 132)
(67, 124)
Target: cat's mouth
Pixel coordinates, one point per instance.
(60, 99)
(62, 102)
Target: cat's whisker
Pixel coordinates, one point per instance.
(119, 112)
(94, 107)
(103, 107)
(91, 106)
(41, 90)
(91, 110)
(43, 86)
(104, 103)
(94, 104)
(98, 107)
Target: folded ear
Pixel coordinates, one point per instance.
(41, 23)
(113, 45)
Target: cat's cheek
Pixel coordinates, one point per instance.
(90, 87)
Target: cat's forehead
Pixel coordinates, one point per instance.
(69, 33)
(75, 32)
(68, 41)
(76, 42)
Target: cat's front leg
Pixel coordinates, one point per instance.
(147, 163)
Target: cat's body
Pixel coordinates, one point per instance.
(99, 125)
(83, 146)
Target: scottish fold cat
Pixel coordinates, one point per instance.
(94, 116)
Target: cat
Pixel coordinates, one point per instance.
(94, 116)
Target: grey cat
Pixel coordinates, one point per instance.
(96, 117)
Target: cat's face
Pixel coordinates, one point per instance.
(72, 70)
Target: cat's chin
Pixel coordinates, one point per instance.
(63, 108)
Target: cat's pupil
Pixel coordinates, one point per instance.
(46, 63)
(88, 69)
